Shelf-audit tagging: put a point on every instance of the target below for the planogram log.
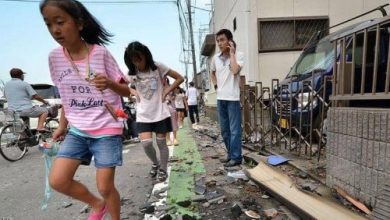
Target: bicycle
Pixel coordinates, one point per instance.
(16, 136)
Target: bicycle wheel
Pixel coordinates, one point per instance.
(13, 144)
(52, 124)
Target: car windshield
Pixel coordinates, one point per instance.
(317, 57)
(47, 91)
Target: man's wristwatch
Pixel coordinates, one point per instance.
(215, 86)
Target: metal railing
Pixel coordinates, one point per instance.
(271, 117)
(362, 70)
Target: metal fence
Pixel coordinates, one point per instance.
(271, 117)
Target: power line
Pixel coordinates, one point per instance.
(103, 2)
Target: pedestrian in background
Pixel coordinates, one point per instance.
(225, 75)
(152, 111)
(172, 109)
(192, 101)
(181, 105)
(82, 69)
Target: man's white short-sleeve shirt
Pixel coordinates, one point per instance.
(228, 83)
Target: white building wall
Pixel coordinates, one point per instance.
(275, 65)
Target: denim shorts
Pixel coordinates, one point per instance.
(107, 151)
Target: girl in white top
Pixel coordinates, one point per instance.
(152, 111)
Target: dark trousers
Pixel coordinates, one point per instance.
(193, 109)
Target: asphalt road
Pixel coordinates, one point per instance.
(22, 188)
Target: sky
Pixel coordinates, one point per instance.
(25, 41)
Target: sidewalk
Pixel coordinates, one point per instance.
(199, 186)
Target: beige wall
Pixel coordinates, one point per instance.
(266, 66)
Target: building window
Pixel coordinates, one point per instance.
(289, 34)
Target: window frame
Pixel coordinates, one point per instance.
(296, 47)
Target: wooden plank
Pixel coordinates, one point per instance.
(307, 206)
(356, 203)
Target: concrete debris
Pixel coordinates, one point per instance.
(236, 210)
(217, 199)
(162, 190)
(265, 196)
(206, 205)
(147, 208)
(302, 174)
(200, 189)
(161, 208)
(270, 213)
(198, 198)
(85, 209)
(238, 175)
(166, 217)
(252, 214)
(66, 205)
(184, 203)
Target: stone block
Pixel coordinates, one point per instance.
(364, 152)
(377, 126)
(357, 176)
(374, 183)
(349, 123)
(368, 182)
(388, 128)
(360, 124)
(387, 166)
(382, 156)
(376, 151)
(371, 125)
(370, 154)
(348, 148)
(355, 123)
(365, 123)
(384, 126)
(358, 150)
(345, 122)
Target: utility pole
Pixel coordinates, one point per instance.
(192, 40)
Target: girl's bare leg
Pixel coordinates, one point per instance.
(61, 180)
(106, 188)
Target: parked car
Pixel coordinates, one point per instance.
(317, 61)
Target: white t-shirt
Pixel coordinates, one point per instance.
(227, 82)
(149, 86)
(192, 95)
(179, 101)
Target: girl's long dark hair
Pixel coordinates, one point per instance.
(135, 50)
(93, 32)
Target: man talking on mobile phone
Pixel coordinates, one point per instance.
(225, 75)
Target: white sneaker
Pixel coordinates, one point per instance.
(169, 143)
(194, 126)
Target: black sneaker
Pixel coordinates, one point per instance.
(153, 171)
(162, 175)
(224, 160)
(232, 163)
